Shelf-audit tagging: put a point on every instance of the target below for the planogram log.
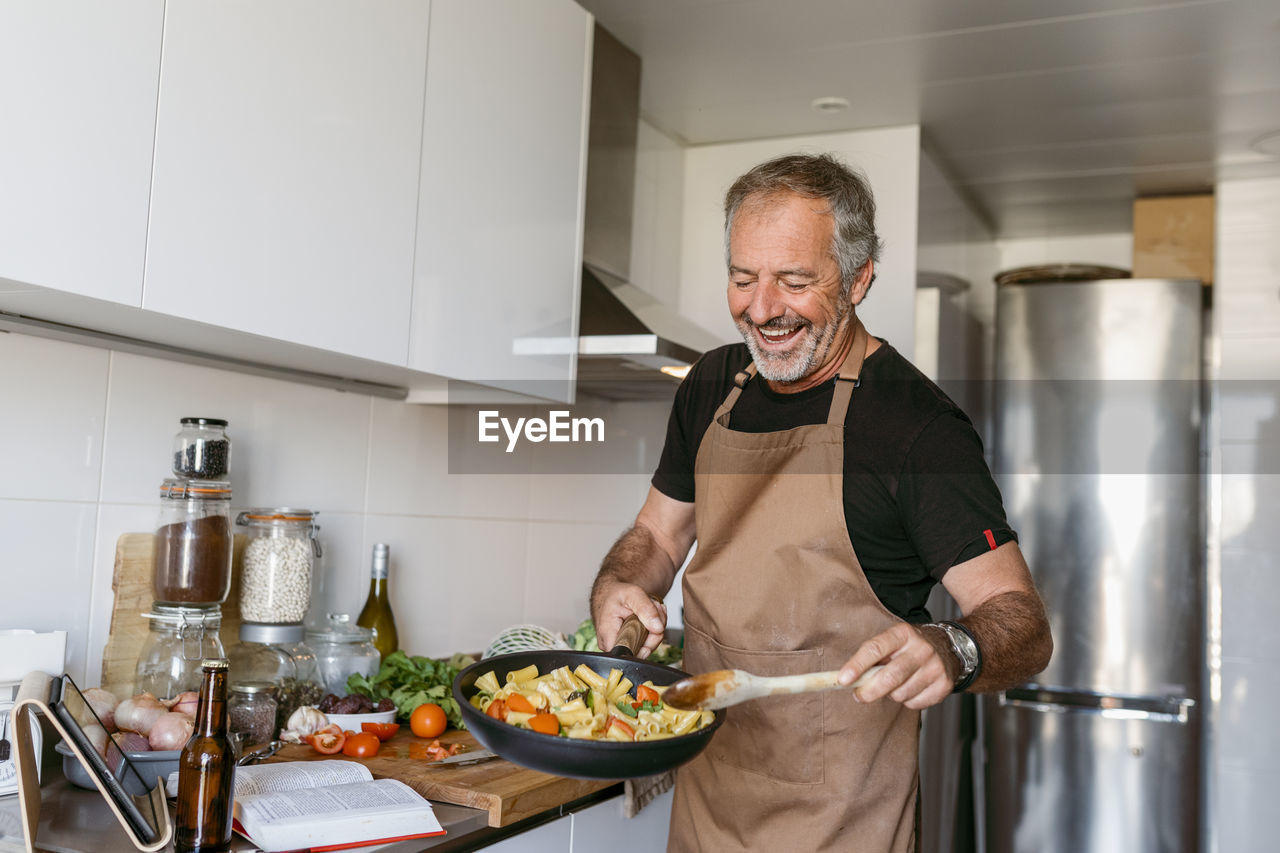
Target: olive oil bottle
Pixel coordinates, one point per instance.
(377, 615)
(205, 770)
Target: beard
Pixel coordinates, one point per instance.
(805, 355)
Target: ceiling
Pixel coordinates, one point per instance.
(1050, 117)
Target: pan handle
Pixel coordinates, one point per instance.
(630, 637)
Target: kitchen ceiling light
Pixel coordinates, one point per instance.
(677, 372)
(1268, 144)
(830, 104)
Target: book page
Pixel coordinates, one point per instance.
(292, 775)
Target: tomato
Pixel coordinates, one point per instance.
(327, 742)
(382, 731)
(624, 727)
(647, 694)
(428, 720)
(363, 745)
(548, 724)
(516, 702)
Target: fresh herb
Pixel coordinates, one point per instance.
(649, 705)
(410, 681)
(625, 707)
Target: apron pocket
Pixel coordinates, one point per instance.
(779, 737)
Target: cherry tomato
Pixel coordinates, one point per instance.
(363, 745)
(428, 720)
(382, 731)
(647, 694)
(548, 724)
(516, 702)
(497, 709)
(327, 742)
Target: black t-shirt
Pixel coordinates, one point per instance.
(918, 496)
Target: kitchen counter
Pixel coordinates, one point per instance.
(74, 820)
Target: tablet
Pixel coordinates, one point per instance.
(75, 716)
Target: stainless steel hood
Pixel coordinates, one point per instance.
(626, 336)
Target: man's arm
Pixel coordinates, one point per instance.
(639, 569)
(1002, 610)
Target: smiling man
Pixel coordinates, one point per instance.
(829, 486)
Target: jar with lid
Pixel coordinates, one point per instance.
(251, 711)
(178, 639)
(278, 561)
(202, 449)
(193, 543)
(276, 655)
(343, 649)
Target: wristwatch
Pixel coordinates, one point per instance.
(966, 649)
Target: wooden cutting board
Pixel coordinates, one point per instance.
(508, 792)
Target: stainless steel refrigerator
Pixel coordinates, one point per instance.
(1097, 452)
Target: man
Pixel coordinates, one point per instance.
(828, 485)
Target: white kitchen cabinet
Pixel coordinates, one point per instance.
(550, 837)
(603, 825)
(503, 168)
(78, 107)
(287, 153)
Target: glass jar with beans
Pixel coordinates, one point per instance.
(202, 449)
(279, 557)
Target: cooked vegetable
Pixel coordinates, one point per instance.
(411, 681)
(548, 724)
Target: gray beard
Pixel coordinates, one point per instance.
(799, 363)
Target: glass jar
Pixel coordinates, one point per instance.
(178, 638)
(193, 543)
(251, 710)
(202, 449)
(275, 582)
(276, 655)
(342, 650)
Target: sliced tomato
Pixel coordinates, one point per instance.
(647, 694)
(625, 728)
(548, 724)
(497, 709)
(327, 742)
(382, 731)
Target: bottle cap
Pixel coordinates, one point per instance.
(214, 663)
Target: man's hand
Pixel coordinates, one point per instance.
(919, 671)
(613, 601)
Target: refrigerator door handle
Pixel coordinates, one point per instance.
(1170, 709)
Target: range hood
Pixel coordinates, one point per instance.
(626, 336)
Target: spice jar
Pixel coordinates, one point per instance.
(202, 449)
(193, 543)
(275, 654)
(342, 650)
(251, 710)
(275, 585)
(178, 638)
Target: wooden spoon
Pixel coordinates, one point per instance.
(710, 691)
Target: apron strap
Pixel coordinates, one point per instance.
(739, 382)
(848, 378)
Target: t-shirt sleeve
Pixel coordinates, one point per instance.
(951, 506)
(674, 475)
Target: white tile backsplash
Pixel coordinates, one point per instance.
(51, 415)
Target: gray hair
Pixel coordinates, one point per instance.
(820, 176)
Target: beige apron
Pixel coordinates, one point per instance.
(775, 589)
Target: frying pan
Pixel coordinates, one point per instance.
(583, 759)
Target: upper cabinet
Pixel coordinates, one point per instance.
(503, 170)
(78, 108)
(287, 155)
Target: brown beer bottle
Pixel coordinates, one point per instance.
(205, 770)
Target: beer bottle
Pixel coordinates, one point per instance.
(376, 614)
(205, 770)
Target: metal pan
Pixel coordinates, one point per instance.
(583, 759)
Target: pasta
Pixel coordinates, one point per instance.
(583, 704)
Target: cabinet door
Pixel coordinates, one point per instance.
(600, 826)
(78, 108)
(503, 165)
(550, 837)
(286, 169)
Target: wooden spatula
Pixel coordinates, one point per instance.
(710, 691)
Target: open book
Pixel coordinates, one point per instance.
(324, 805)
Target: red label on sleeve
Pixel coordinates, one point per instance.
(991, 540)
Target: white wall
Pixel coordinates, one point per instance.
(1244, 641)
(85, 441)
(888, 156)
